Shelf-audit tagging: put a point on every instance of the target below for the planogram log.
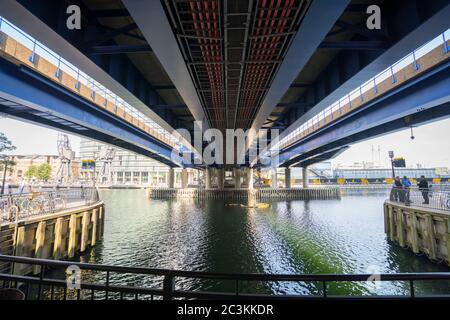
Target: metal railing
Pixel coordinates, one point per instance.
(97, 89)
(14, 207)
(428, 198)
(327, 115)
(48, 285)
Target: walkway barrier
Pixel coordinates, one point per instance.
(424, 58)
(18, 46)
(104, 282)
(261, 194)
(21, 206)
(432, 198)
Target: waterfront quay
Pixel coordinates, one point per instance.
(50, 224)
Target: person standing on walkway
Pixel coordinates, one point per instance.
(423, 186)
(406, 188)
(396, 192)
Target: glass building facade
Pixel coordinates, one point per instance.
(126, 168)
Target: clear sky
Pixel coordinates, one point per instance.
(431, 146)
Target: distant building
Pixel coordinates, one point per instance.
(383, 173)
(24, 162)
(126, 168)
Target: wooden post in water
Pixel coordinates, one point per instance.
(40, 242)
(57, 250)
(72, 236)
(94, 232)
(84, 231)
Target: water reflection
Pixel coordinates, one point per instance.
(316, 236)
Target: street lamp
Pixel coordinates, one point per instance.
(391, 155)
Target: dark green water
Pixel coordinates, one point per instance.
(316, 236)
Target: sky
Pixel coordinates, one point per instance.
(430, 148)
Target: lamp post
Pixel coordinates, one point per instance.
(391, 155)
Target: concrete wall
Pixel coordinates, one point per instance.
(53, 236)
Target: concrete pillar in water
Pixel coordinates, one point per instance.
(287, 178)
(237, 178)
(184, 178)
(171, 178)
(208, 178)
(220, 178)
(250, 178)
(305, 177)
(274, 177)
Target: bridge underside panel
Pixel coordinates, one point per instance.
(421, 100)
(306, 161)
(27, 95)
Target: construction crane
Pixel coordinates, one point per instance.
(106, 155)
(66, 156)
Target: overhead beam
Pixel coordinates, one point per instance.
(406, 43)
(164, 87)
(154, 25)
(120, 49)
(354, 45)
(30, 23)
(114, 33)
(112, 13)
(360, 29)
(301, 85)
(310, 34)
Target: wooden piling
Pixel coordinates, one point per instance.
(423, 230)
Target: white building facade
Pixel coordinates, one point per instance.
(126, 168)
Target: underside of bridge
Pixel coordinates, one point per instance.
(246, 64)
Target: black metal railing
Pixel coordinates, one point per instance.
(428, 198)
(47, 285)
(23, 205)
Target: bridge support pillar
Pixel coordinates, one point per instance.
(171, 178)
(220, 178)
(184, 178)
(274, 178)
(287, 178)
(250, 178)
(305, 177)
(237, 178)
(208, 178)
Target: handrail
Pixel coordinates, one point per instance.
(61, 64)
(337, 106)
(18, 206)
(430, 198)
(168, 290)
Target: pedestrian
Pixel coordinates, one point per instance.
(406, 189)
(423, 187)
(396, 192)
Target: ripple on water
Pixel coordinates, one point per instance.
(333, 236)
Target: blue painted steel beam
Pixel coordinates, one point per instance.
(113, 33)
(321, 157)
(424, 92)
(110, 13)
(120, 49)
(354, 45)
(33, 91)
(407, 25)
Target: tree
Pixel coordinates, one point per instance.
(31, 172)
(5, 144)
(44, 172)
(5, 161)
